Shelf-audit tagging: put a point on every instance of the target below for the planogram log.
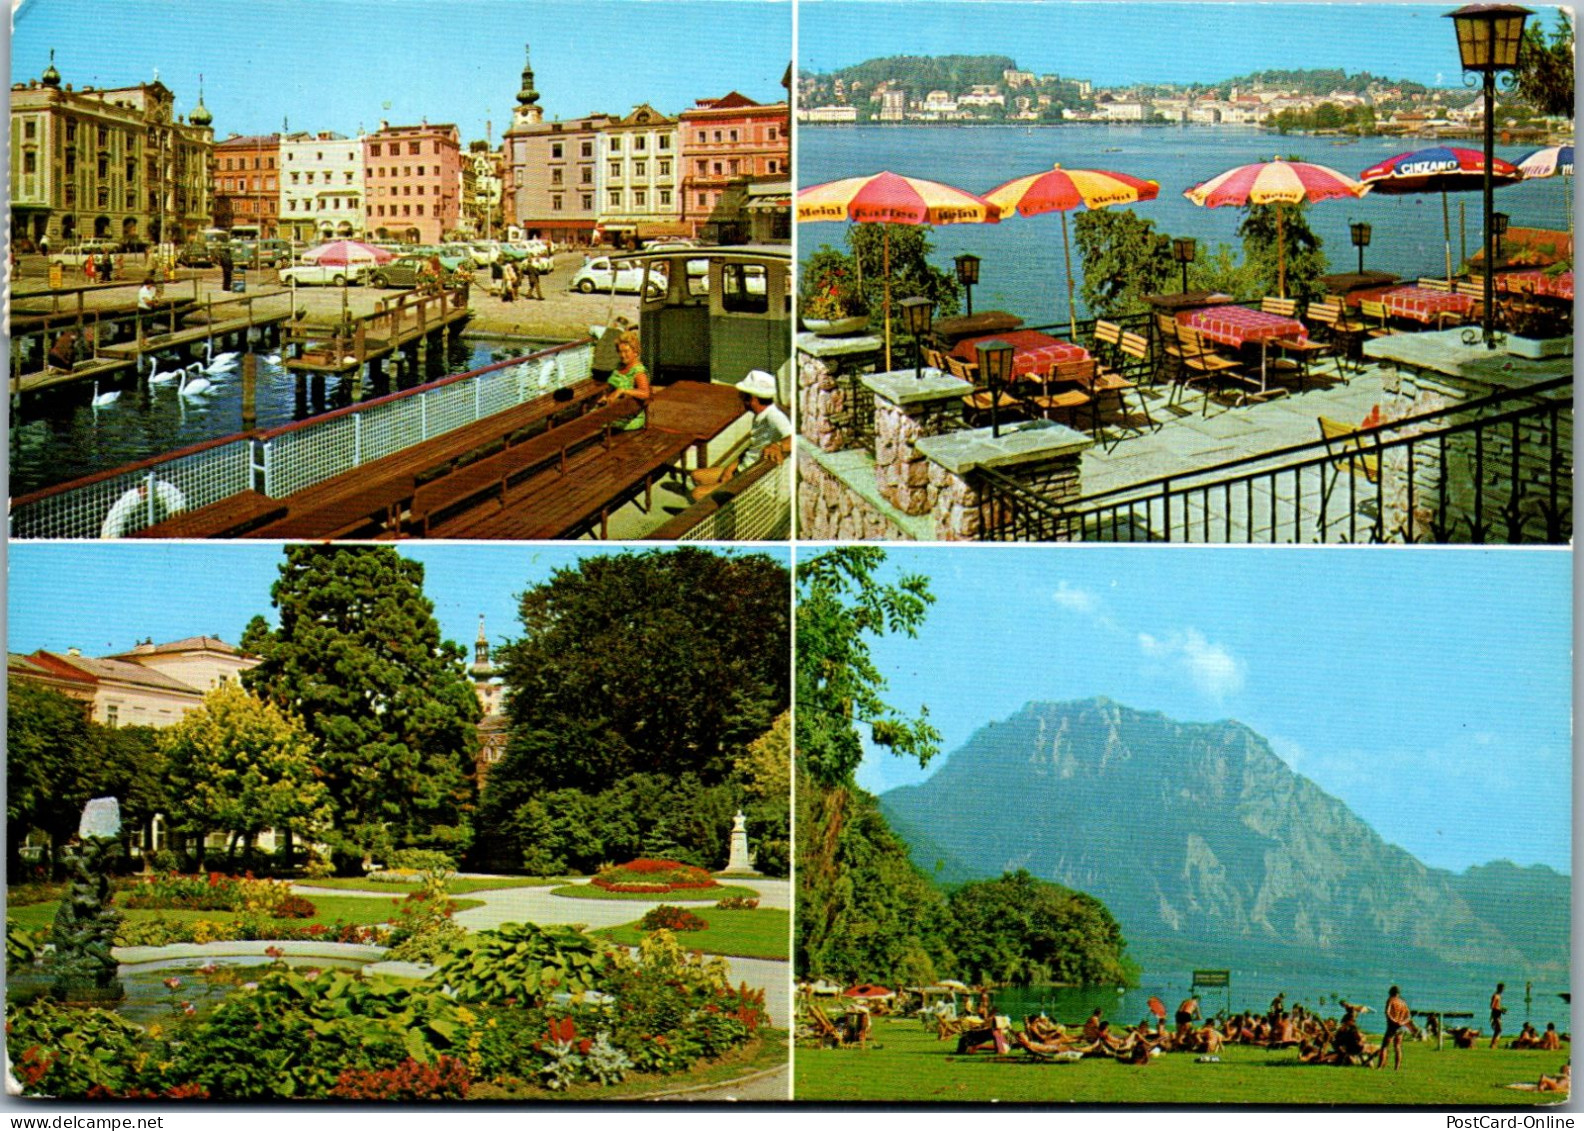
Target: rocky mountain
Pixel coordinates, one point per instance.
(1207, 847)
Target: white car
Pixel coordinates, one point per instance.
(598, 276)
(324, 274)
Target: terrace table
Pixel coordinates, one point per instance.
(1034, 352)
(1424, 305)
(955, 329)
(1537, 282)
(1347, 285)
(1187, 300)
(1239, 326)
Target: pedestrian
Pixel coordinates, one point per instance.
(1398, 1015)
(509, 283)
(106, 268)
(1496, 1011)
(44, 245)
(90, 269)
(531, 275)
(148, 293)
(223, 257)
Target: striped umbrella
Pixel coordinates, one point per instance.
(1443, 169)
(1062, 190)
(1275, 182)
(1553, 161)
(889, 198)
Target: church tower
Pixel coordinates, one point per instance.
(528, 111)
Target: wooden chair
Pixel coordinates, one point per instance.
(1345, 447)
(1445, 286)
(1169, 357)
(1377, 323)
(1110, 381)
(977, 403)
(935, 359)
(1331, 323)
(1107, 341)
(1201, 363)
(1071, 379)
(1284, 307)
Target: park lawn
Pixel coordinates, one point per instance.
(359, 910)
(763, 933)
(686, 895)
(456, 885)
(908, 1063)
(769, 1051)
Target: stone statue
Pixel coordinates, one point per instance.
(740, 862)
(86, 923)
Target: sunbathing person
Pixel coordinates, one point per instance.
(1348, 1040)
(1042, 1028)
(1551, 1041)
(1527, 1038)
(1285, 1035)
(1208, 1040)
(1094, 1026)
(1562, 1082)
(1463, 1037)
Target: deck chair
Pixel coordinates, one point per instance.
(1202, 364)
(1345, 447)
(1445, 286)
(825, 1031)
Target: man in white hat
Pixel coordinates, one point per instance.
(770, 438)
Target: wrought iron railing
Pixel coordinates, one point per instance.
(1493, 470)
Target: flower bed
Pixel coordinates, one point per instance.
(650, 876)
(216, 891)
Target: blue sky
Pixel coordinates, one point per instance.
(336, 64)
(1120, 41)
(1429, 689)
(104, 598)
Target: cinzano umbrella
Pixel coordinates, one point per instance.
(1553, 161)
(1062, 190)
(1442, 169)
(1275, 182)
(889, 198)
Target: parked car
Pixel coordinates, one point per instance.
(196, 254)
(597, 275)
(324, 274)
(404, 270)
(73, 254)
(485, 252)
(544, 261)
(261, 253)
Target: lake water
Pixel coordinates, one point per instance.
(58, 436)
(1253, 990)
(1022, 269)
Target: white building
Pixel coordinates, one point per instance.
(321, 186)
(638, 175)
(829, 114)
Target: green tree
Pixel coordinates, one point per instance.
(359, 658)
(1304, 259)
(131, 768)
(911, 272)
(50, 770)
(1545, 68)
(764, 782)
(1124, 258)
(1023, 930)
(241, 765)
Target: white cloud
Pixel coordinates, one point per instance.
(1211, 668)
(1076, 600)
(1288, 751)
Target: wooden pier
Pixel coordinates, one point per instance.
(411, 324)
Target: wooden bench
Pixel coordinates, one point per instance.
(375, 494)
(231, 517)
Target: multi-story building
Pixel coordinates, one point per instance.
(247, 184)
(638, 194)
(481, 190)
(724, 139)
(321, 186)
(552, 170)
(109, 164)
(413, 182)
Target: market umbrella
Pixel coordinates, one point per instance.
(1062, 190)
(889, 198)
(1274, 182)
(1553, 161)
(347, 253)
(1442, 169)
(1157, 1007)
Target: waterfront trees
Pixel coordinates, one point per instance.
(359, 658)
(1545, 67)
(1024, 930)
(49, 767)
(1124, 259)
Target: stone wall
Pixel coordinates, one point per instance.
(902, 473)
(965, 509)
(835, 411)
(830, 510)
(1436, 512)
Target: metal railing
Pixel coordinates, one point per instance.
(280, 461)
(1493, 470)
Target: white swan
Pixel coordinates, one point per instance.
(272, 358)
(102, 399)
(161, 378)
(192, 384)
(220, 363)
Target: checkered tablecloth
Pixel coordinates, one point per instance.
(1424, 305)
(1034, 352)
(1537, 283)
(1235, 325)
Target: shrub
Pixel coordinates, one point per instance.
(650, 875)
(295, 907)
(446, 1079)
(424, 930)
(394, 876)
(317, 869)
(737, 903)
(66, 1051)
(668, 918)
(525, 963)
(164, 860)
(421, 860)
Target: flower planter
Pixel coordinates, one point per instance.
(836, 327)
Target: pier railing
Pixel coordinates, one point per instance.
(279, 461)
(1494, 470)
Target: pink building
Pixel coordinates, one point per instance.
(412, 182)
(725, 140)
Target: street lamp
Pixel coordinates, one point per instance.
(1489, 36)
(916, 312)
(995, 370)
(968, 275)
(1498, 229)
(1360, 231)
(1183, 251)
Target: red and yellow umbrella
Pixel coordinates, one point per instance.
(1062, 190)
(889, 198)
(1275, 182)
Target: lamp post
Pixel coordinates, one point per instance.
(968, 275)
(916, 312)
(1498, 229)
(1489, 36)
(995, 369)
(1360, 231)
(1183, 250)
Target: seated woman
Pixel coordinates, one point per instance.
(629, 382)
(1551, 1041)
(1463, 1037)
(1527, 1038)
(1093, 1027)
(1209, 1041)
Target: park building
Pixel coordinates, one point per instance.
(321, 186)
(115, 163)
